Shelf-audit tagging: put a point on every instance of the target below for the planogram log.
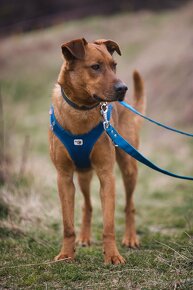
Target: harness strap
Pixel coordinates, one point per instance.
(153, 121)
(120, 142)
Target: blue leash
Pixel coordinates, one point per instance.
(120, 142)
(153, 121)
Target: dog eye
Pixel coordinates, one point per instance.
(95, 66)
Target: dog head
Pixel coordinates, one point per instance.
(89, 71)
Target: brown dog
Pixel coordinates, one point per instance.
(88, 77)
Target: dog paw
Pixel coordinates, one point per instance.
(65, 257)
(131, 242)
(83, 241)
(114, 259)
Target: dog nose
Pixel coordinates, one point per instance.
(120, 88)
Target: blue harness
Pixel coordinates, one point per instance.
(79, 146)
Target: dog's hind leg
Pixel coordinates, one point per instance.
(84, 180)
(129, 170)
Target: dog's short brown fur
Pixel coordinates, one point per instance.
(87, 76)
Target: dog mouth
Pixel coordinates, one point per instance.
(119, 97)
(98, 99)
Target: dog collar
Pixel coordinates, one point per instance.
(74, 105)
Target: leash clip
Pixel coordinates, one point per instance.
(104, 111)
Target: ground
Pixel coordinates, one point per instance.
(30, 217)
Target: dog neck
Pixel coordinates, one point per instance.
(71, 119)
(75, 106)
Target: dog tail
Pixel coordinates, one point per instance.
(139, 96)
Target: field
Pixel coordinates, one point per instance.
(159, 45)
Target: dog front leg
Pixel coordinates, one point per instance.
(66, 190)
(108, 206)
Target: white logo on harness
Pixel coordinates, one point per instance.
(78, 142)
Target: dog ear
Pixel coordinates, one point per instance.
(110, 45)
(74, 49)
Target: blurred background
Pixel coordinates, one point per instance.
(28, 15)
(156, 38)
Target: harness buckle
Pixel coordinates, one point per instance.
(104, 111)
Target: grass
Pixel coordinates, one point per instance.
(161, 263)
(164, 260)
(30, 219)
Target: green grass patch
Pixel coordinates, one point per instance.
(160, 263)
